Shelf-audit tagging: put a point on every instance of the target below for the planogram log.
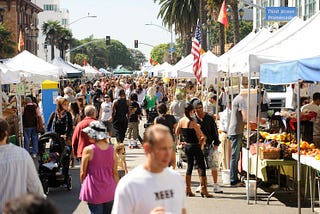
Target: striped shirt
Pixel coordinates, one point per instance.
(18, 174)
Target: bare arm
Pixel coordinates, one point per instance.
(125, 164)
(87, 155)
(184, 211)
(115, 169)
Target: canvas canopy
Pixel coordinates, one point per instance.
(184, 68)
(120, 70)
(291, 71)
(33, 68)
(159, 70)
(302, 43)
(238, 61)
(68, 70)
(8, 76)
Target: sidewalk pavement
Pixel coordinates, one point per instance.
(231, 201)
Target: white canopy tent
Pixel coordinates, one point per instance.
(238, 61)
(90, 71)
(158, 70)
(302, 43)
(8, 76)
(184, 68)
(67, 69)
(33, 68)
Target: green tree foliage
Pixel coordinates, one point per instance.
(137, 59)
(51, 30)
(79, 58)
(245, 27)
(117, 54)
(7, 48)
(158, 53)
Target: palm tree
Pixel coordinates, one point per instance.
(51, 31)
(203, 22)
(235, 19)
(64, 41)
(182, 14)
(213, 8)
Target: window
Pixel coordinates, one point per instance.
(64, 22)
(310, 8)
(50, 7)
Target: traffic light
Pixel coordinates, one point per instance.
(107, 40)
(136, 43)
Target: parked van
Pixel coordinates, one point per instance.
(277, 96)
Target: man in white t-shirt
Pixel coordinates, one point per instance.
(152, 187)
(314, 106)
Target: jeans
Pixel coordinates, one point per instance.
(104, 208)
(194, 151)
(236, 141)
(31, 133)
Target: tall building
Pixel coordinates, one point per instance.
(51, 11)
(21, 16)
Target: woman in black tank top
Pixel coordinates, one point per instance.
(194, 139)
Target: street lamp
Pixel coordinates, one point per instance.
(84, 17)
(68, 25)
(32, 33)
(171, 50)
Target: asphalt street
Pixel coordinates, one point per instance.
(232, 200)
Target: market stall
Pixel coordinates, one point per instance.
(287, 73)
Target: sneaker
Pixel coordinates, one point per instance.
(198, 189)
(217, 188)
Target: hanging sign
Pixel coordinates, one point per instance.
(280, 13)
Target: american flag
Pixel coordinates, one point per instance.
(196, 52)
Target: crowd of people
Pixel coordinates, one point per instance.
(88, 115)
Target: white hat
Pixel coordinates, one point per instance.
(96, 130)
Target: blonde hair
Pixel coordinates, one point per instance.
(151, 92)
(119, 146)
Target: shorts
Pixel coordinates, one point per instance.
(108, 125)
(211, 158)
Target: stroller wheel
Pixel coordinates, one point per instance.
(69, 183)
(45, 185)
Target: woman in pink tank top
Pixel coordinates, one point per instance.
(98, 173)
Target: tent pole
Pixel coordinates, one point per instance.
(258, 129)
(298, 142)
(248, 138)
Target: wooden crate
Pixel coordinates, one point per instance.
(269, 155)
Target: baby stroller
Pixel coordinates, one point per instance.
(152, 114)
(54, 162)
(181, 156)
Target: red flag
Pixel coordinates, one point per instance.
(20, 42)
(223, 18)
(196, 52)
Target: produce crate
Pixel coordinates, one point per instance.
(267, 154)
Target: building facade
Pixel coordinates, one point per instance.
(22, 15)
(305, 9)
(51, 11)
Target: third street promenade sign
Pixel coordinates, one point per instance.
(280, 13)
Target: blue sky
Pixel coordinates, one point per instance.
(123, 20)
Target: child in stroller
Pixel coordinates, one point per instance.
(54, 162)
